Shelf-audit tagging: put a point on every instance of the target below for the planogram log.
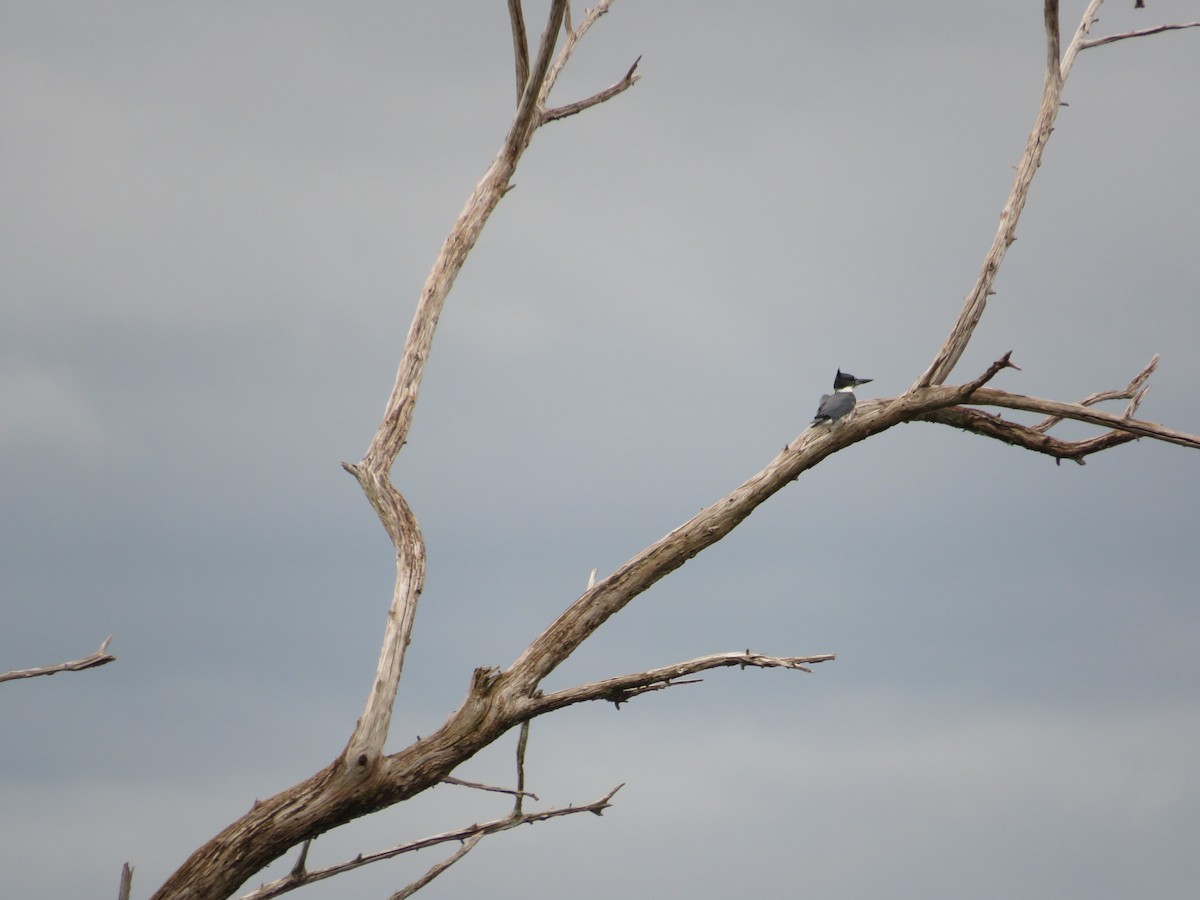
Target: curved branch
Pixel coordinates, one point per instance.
(356, 783)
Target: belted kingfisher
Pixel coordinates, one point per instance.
(838, 404)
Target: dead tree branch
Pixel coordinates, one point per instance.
(374, 471)
(1134, 392)
(624, 687)
(1034, 437)
(573, 36)
(1056, 74)
(522, 744)
(1141, 32)
(438, 868)
(100, 658)
(570, 109)
(992, 426)
(1080, 413)
(355, 783)
(487, 787)
(516, 16)
(295, 879)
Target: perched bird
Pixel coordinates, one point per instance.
(838, 404)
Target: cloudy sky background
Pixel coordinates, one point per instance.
(217, 219)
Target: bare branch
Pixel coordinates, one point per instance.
(1134, 392)
(623, 687)
(1004, 362)
(960, 335)
(570, 109)
(989, 425)
(291, 881)
(1142, 32)
(301, 865)
(1080, 413)
(450, 779)
(1056, 75)
(568, 47)
(516, 16)
(362, 780)
(467, 846)
(373, 473)
(712, 523)
(522, 744)
(99, 658)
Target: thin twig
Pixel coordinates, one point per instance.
(434, 871)
(1141, 32)
(522, 745)
(450, 779)
(570, 109)
(301, 865)
(623, 687)
(100, 658)
(516, 16)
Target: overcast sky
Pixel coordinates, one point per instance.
(216, 221)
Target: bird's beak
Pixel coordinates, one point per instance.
(858, 381)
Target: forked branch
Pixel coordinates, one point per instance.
(475, 832)
(1034, 437)
(374, 471)
(1134, 392)
(1080, 413)
(1056, 73)
(988, 425)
